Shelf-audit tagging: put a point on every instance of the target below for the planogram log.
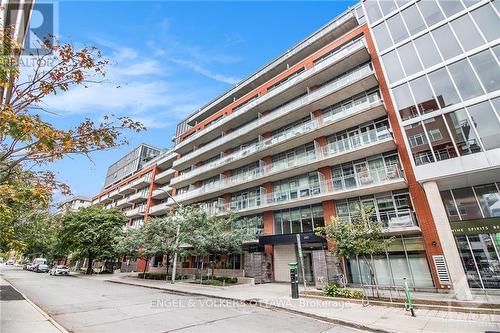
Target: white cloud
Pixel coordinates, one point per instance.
(206, 72)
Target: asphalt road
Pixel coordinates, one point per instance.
(84, 305)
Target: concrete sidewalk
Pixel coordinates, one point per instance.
(373, 318)
(18, 315)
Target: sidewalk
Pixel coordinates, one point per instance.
(18, 315)
(373, 318)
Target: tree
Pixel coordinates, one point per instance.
(92, 233)
(360, 237)
(221, 235)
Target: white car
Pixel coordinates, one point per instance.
(10, 262)
(59, 270)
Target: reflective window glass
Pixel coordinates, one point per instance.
(397, 28)
(440, 139)
(489, 199)
(414, 21)
(404, 102)
(487, 69)
(486, 123)
(465, 80)
(423, 95)
(463, 133)
(446, 42)
(382, 36)
(409, 59)
(387, 6)
(418, 144)
(469, 3)
(431, 12)
(392, 66)
(496, 104)
(443, 88)
(466, 32)
(488, 21)
(372, 10)
(467, 204)
(450, 7)
(449, 205)
(427, 50)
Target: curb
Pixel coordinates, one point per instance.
(43, 313)
(263, 305)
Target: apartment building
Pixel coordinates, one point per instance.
(393, 105)
(74, 204)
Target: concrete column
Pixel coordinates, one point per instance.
(453, 262)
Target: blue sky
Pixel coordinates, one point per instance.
(169, 59)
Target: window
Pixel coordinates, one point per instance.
(439, 139)
(387, 6)
(372, 10)
(466, 32)
(487, 21)
(435, 134)
(427, 50)
(466, 203)
(446, 42)
(487, 69)
(418, 144)
(413, 20)
(423, 95)
(392, 66)
(409, 58)
(404, 102)
(382, 36)
(489, 199)
(486, 123)
(431, 12)
(462, 132)
(450, 7)
(465, 80)
(443, 88)
(449, 205)
(397, 28)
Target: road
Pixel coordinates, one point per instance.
(84, 305)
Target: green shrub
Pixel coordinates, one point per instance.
(222, 279)
(332, 290)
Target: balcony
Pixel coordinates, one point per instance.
(350, 84)
(136, 212)
(122, 203)
(104, 199)
(142, 181)
(162, 192)
(355, 147)
(363, 110)
(363, 183)
(351, 55)
(139, 196)
(395, 222)
(159, 209)
(114, 194)
(125, 189)
(164, 176)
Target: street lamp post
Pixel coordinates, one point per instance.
(174, 264)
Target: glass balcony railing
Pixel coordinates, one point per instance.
(332, 58)
(401, 218)
(356, 106)
(359, 180)
(336, 148)
(336, 84)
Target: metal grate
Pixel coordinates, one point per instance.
(441, 269)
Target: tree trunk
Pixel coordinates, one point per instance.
(373, 281)
(90, 261)
(145, 268)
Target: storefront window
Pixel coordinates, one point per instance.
(489, 199)
(467, 204)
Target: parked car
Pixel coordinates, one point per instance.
(10, 262)
(59, 270)
(39, 265)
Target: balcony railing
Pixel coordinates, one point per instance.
(123, 203)
(158, 209)
(402, 218)
(358, 105)
(139, 211)
(139, 196)
(334, 57)
(333, 149)
(336, 185)
(327, 88)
